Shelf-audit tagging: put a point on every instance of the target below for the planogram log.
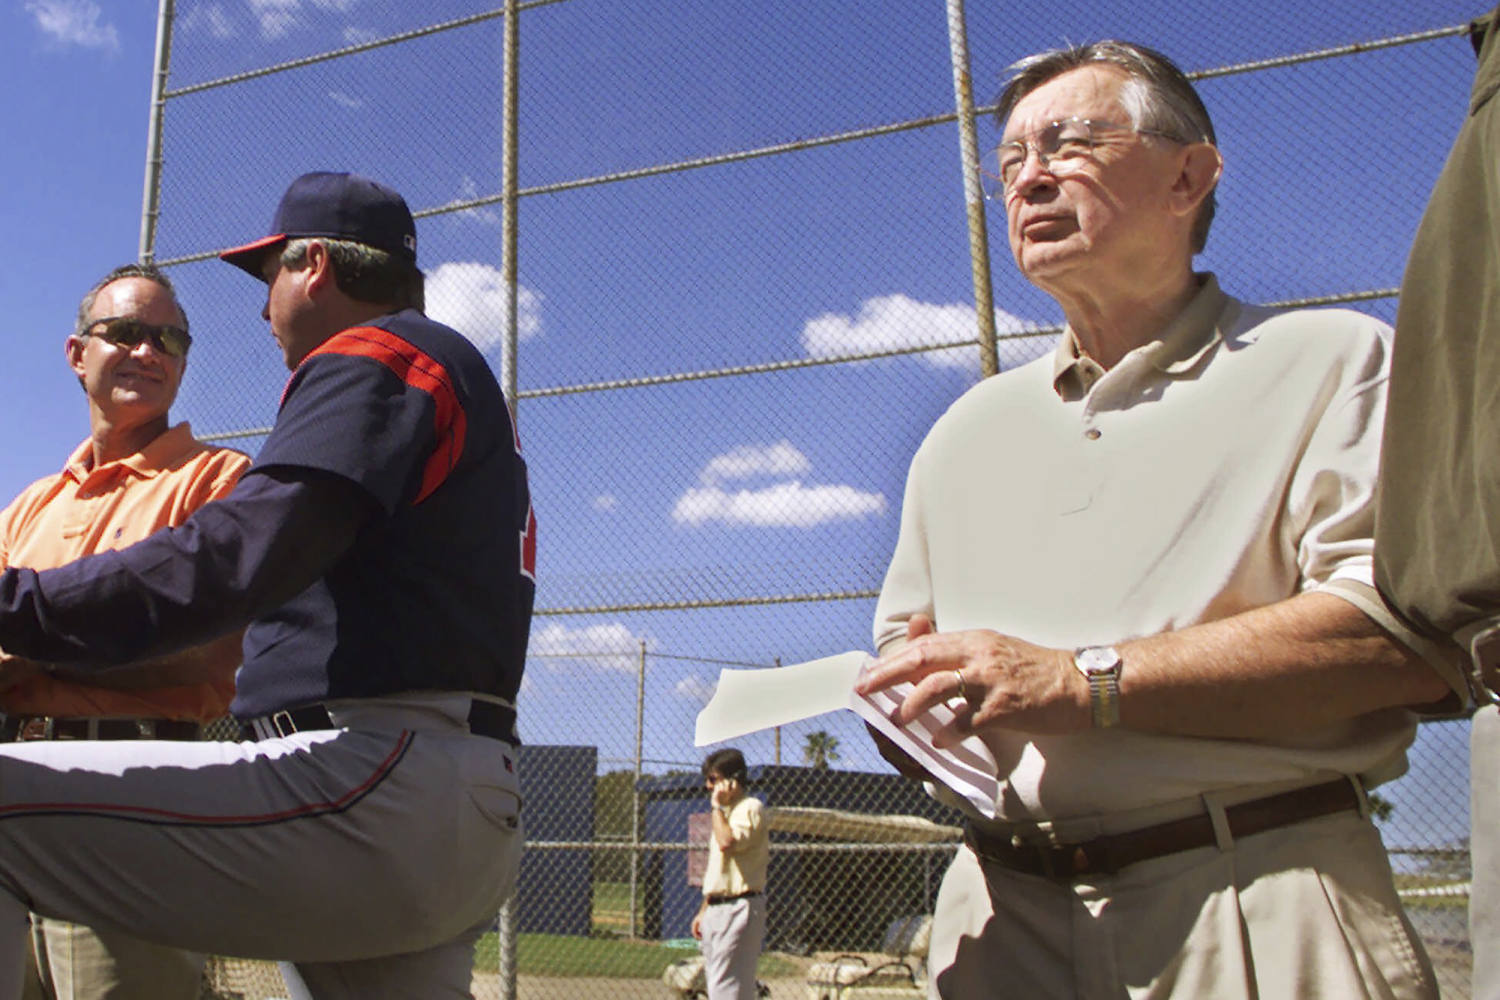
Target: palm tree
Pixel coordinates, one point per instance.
(820, 748)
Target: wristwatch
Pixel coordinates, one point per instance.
(1101, 665)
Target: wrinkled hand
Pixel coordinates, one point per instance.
(1007, 683)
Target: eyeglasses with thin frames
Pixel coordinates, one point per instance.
(1062, 147)
(128, 332)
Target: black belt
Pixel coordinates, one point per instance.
(23, 728)
(486, 718)
(714, 899)
(1109, 854)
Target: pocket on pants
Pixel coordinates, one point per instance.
(1339, 920)
(501, 806)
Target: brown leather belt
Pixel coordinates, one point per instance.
(1108, 855)
(22, 728)
(714, 899)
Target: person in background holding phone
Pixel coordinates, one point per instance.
(731, 923)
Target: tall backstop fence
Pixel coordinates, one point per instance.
(731, 261)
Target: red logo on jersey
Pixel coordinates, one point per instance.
(421, 372)
(528, 546)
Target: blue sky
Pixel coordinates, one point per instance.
(749, 485)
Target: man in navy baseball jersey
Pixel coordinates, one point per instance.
(381, 551)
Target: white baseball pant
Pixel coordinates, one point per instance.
(371, 857)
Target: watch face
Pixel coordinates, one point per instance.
(1097, 660)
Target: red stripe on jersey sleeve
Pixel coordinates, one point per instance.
(421, 372)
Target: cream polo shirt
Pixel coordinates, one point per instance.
(1225, 466)
(743, 869)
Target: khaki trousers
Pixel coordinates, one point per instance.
(732, 937)
(1304, 911)
(1484, 820)
(79, 963)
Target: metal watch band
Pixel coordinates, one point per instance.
(1101, 665)
(1104, 698)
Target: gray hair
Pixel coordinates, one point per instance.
(149, 272)
(1157, 95)
(364, 273)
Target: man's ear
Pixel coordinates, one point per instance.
(319, 267)
(73, 350)
(1199, 167)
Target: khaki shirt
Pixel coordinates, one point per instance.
(744, 869)
(1439, 512)
(1224, 466)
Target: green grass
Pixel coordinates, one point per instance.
(611, 907)
(565, 955)
(608, 951)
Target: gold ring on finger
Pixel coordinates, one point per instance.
(963, 693)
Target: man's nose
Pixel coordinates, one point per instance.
(146, 350)
(1033, 172)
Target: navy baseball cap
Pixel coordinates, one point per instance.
(334, 206)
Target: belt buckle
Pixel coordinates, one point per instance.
(282, 722)
(1043, 849)
(1055, 859)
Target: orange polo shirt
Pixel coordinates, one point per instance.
(83, 510)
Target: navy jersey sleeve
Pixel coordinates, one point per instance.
(369, 406)
(232, 560)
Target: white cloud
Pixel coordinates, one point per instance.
(611, 647)
(891, 322)
(344, 100)
(276, 17)
(359, 36)
(210, 19)
(468, 190)
(606, 502)
(790, 505)
(470, 297)
(75, 22)
(779, 459)
(694, 689)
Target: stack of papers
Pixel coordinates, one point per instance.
(747, 701)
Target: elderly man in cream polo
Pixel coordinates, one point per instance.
(1140, 570)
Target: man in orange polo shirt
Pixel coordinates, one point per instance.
(134, 475)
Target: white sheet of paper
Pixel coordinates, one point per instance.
(747, 701)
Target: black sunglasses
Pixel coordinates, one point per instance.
(128, 332)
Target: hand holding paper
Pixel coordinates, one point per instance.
(750, 700)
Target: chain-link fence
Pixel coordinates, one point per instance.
(726, 270)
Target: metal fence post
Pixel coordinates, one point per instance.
(508, 929)
(979, 246)
(151, 194)
(635, 788)
(507, 935)
(509, 226)
(778, 729)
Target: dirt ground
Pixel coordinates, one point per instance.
(258, 981)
